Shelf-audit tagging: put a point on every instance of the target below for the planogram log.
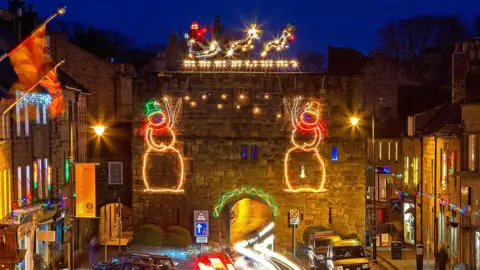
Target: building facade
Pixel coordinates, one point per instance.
(233, 143)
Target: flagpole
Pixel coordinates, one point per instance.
(60, 11)
(31, 88)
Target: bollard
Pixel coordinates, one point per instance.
(419, 257)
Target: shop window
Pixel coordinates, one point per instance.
(472, 153)
(334, 153)
(454, 235)
(381, 194)
(409, 223)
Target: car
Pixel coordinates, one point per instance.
(127, 266)
(318, 247)
(347, 255)
(162, 261)
(214, 261)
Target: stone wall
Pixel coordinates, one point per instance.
(211, 130)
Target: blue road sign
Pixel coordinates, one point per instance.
(201, 229)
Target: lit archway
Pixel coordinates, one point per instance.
(253, 192)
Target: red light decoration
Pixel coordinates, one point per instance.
(306, 120)
(161, 121)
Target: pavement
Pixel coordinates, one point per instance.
(409, 262)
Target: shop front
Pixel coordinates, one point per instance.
(409, 223)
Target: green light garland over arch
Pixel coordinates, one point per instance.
(225, 198)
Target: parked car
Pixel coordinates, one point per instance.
(318, 247)
(347, 255)
(126, 266)
(162, 261)
(214, 261)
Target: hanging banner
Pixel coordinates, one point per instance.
(85, 190)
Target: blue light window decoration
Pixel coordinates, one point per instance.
(244, 151)
(253, 152)
(334, 153)
(34, 98)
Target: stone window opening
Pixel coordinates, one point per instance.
(253, 152)
(244, 151)
(334, 153)
(115, 173)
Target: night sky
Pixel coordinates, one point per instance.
(346, 23)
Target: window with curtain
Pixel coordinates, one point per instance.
(406, 175)
(415, 170)
(19, 184)
(472, 153)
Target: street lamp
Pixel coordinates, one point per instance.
(99, 130)
(354, 121)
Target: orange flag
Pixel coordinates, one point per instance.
(30, 61)
(54, 88)
(33, 66)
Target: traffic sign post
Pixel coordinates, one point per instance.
(294, 220)
(200, 226)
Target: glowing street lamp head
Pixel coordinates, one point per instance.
(354, 121)
(99, 130)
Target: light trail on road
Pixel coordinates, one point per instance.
(257, 249)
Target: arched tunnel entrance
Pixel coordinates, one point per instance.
(247, 216)
(243, 212)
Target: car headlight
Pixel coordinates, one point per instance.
(365, 266)
(338, 268)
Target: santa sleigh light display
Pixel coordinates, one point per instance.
(207, 54)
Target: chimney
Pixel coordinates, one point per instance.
(172, 39)
(460, 66)
(217, 28)
(458, 48)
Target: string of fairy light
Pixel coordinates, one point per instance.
(441, 200)
(240, 101)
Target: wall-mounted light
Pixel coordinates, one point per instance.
(256, 110)
(193, 103)
(238, 107)
(279, 115)
(266, 96)
(219, 106)
(242, 96)
(224, 96)
(204, 96)
(187, 98)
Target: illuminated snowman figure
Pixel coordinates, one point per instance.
(307, 133)
(160, 139)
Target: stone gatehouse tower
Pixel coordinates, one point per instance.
(233, 131)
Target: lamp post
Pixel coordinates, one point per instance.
(354, 121)
(99, 130)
